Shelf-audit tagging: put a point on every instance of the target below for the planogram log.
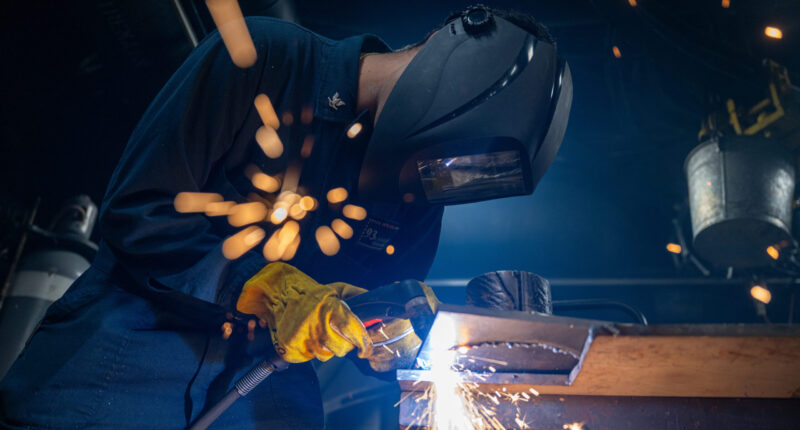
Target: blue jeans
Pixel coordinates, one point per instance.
(104, 358)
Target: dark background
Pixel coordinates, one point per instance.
(77, 75)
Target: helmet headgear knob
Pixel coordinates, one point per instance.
(477, 19)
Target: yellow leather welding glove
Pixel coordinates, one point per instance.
(306, 319)
(387, 355)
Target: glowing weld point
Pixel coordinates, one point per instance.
(354, 130)
(726, 4)
(390, 250)
(573, 426)
(337, 195)
(617, 53)
(354, 212)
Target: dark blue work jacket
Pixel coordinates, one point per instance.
(107, 355)
(199, 135)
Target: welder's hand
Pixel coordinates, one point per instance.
(389, 354)
(306, 319)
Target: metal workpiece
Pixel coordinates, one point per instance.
(740, 197)
(553, 412)
(624, 376)
(505, 346)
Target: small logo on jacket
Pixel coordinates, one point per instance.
(335, 102)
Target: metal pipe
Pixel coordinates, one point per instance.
(187, 25)
(601, 303)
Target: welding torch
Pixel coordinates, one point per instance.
(401, 300)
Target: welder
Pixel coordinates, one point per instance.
(475, 111)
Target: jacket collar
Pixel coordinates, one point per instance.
(338, 90)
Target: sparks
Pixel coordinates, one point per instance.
(229, 20)
(188, 202)
(354, 212)
(241, 242)
(267, 138)
(327, 241)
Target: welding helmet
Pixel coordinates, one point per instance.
(478, 114)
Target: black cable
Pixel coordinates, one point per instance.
(600, 304)
(244, 385)
(212, 414)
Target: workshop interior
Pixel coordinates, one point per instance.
(651, 280)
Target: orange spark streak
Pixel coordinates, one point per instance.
(269, 141)
(327, 241)
(291, 249)
(354, 212)
(354, 130)
(229, 20)
(266, 111)
(342, 228)
(187, 202)
(219, 208)
(337, 195)
(308, 203)
(265, 182)
(308, 145)
(247, 213)
(271, 248)
(297, 212)
(241, 242)
(307, 115)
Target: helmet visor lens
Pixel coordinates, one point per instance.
(469, 178)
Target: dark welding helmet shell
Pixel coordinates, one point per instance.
(476, 115)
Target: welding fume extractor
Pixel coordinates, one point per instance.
(742, 179)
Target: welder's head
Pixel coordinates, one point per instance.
(478, 114)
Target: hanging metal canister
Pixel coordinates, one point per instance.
(740, 196)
